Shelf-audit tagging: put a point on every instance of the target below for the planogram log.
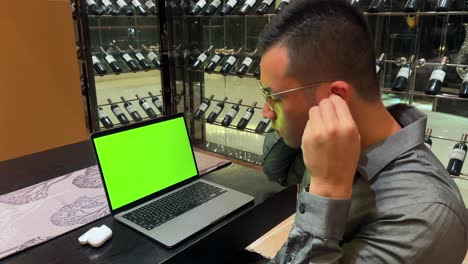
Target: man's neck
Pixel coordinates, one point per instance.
(375, 124)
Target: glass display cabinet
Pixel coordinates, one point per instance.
(210, 67)
(120, 44)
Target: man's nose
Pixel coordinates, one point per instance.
(268, 112)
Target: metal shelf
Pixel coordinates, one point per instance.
(439, 96)
(446, 139)
(433, 64)
(125, 71)
(462, 176)
(425, 13)
(123, 27)
(129, 100)
(122, 16)
(232, 73)
(216, 123)
(227, 16)
(231, 152)
(422, 13)
(256, 107)
(101, 127)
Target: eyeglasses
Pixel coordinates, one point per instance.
(270, 97)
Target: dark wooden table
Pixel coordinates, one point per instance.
(216, 244)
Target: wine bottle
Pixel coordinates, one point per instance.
(404, 73)
(443, 5)
(152, 7)
(264, 6)
(262, 126)
(282, 5)
(458, 156)
(219, 54)
(376, 6)
(355, 3)
(98, 67)
(246, 63)
(206, 102)
(192, 4)
(156, 102)
(172, 5)
(141, 59)
(428, 139)
(379, 63)
(257, 73)
(131, 110)
(198, 7)
(139, 8)
(216, 111)
(202, 59)
(230, 62)
(118, 113)
(110, 8)
(231, 114)
(94, 8)
(186, 6)
(228, 7)
(111, 61)
(131, 63)
(180, 55)
(464, 89)
(437, 78)
(124, 8)
(246, 118)
(152, 57)
(211, 9)
(192, 54)
(411, 6)
(248, 4)
(104, 118)
(146, 106)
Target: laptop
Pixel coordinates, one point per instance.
(152, 183)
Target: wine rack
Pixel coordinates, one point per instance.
(101, 32)
(180, 38)
(395, 32)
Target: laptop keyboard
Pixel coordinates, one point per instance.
(173, 205)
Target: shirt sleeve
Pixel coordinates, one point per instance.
(280, 162)
(318, 228)
(418, 233)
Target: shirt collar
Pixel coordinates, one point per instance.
(376, 157)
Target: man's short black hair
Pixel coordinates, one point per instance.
(326, 40)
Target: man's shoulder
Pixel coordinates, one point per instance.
(417, 177)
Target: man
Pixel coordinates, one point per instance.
(371, 192)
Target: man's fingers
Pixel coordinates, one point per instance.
(342, 109)
(315, 119)
(328, 114)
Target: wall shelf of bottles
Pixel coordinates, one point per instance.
(213, 37)
(120, 40)
(220, 37)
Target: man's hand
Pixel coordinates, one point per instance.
(331, 146)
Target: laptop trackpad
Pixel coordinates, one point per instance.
(187, 224)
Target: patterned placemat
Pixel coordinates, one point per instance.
(43, 211)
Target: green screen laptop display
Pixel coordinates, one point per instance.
(141, 161)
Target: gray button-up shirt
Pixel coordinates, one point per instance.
(405, 207)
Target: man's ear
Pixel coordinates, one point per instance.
(342, 89)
